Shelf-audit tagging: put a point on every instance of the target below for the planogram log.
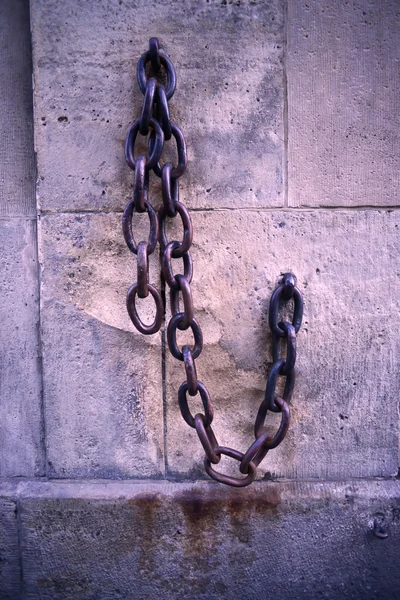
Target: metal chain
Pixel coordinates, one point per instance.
(157, 80)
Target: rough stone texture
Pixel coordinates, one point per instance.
(20, 387)
(345, 404)
(17, 165)
(102, 381)
(343, 63)
(229, 99)
(10, 568)
(275, 540)
(20, 383)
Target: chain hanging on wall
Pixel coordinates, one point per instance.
(157, 81)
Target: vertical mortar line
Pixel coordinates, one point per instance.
(19, 536)
(164, 400)
(164, 374)
(285, 109)
(43, 468)
(40, 357)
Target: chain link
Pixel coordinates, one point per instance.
(157, 81)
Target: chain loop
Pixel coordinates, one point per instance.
(165, 62)
(171, 337)
(206, 400)
(163, 112)
(264, 442)
(288, 282)
(274, 307)
(184, 246)
(142, 270)
(148, 106)
(270, 396)
(233, 481)
(136, 320)
(170, 190)
(168, 274)
(190, 370)
(127, 227)
(184, 287)
(290, 336)
(154, 53)
(182, 155)
(157, 82)
(141, 184)
(255, 454)
(207, 439)
(155, 147)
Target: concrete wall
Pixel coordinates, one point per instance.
(290, 112)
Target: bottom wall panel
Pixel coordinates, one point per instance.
(10, 572)
(147, 540)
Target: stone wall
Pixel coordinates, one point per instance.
(290, 112)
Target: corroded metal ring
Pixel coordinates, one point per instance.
(188, 310)
(148, 106)
(182, 155)
(281, 292)
(270, 396)
(207, 439)
(171, 337)
(284, 409)
(233, 481)
(169, 276)
(170, 190)
(290, 337)
(127, 227)
(190, 370)
(141, 184)
(154, 52)
(265, 441)
(206, 400)
(155, 147)
(168, 66)
(256, 453)
(186, 242)
(136, 320)
(142, 270)
(163, 112)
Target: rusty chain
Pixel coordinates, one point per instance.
(157, 80)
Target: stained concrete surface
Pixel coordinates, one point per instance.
(114, 540)
(10, 564)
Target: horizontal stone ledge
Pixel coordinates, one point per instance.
(239, 209)
(157, 539)
(280, 491)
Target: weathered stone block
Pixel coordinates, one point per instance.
(20, 393)
(343, 95)
(229, 98)
(10, 568)
(345, 407)
(275, 540)
(20, 397)
(17, 163)
(102, 381)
